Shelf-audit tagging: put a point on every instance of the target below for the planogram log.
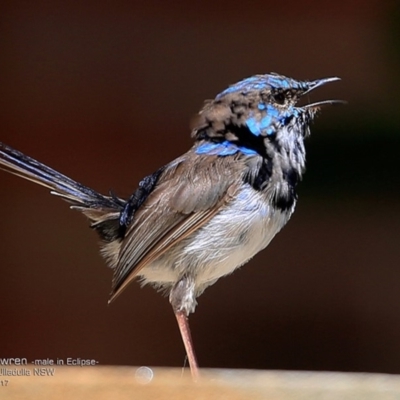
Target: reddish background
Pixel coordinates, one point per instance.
(104, 93)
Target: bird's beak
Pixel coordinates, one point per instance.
(317, 83)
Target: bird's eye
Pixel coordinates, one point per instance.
(279, 98)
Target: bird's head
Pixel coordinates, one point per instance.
(259, 109)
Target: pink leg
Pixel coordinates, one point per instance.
(183, 324)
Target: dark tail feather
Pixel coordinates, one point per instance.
(103, 211)
(26, 167)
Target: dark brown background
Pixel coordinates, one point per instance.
(104, 93)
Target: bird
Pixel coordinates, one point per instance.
(209, 211)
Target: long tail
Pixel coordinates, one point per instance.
(103, 211)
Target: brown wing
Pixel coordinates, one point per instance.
(189, 193)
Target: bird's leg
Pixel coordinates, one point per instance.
(183, 302)
(183, 324)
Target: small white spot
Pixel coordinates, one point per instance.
(144, 375)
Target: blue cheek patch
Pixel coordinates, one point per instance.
(265, 124)
(270, 130)
(253, 125)
(223, 149)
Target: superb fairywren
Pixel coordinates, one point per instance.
(208, 212)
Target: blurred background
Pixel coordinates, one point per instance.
(104, 92)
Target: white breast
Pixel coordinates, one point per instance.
(226, 242)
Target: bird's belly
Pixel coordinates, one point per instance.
(227, 241)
